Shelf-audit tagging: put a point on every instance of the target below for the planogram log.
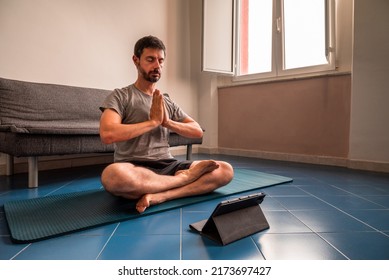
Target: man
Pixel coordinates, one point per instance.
(138, 119)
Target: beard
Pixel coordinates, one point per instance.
(152, 76)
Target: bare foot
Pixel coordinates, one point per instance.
(198, 170)
(190, 175)
(143, 203)
(146, 201)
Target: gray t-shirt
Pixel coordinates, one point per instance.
(134, 107)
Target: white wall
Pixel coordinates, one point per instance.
(369, 136)
(89, 43)
(205, 82)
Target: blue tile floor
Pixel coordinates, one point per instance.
(326, 213)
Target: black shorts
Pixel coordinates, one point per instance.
(163, 166)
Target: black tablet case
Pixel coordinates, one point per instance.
(234, 219)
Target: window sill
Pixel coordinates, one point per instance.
(224, 81)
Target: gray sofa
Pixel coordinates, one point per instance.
(47, 119)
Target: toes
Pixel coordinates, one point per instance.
(140, 209)
(142, 204)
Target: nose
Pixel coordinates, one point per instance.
(157, 65)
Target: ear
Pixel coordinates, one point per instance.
(135, 59)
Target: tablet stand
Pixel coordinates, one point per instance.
(243, 220)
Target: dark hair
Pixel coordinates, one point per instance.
(148, 42)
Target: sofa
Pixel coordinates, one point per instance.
(38, 119)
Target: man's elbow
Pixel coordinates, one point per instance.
(106, 137)
(198, 133)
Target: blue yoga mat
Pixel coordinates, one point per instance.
(41, 218)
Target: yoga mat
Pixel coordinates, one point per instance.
(41, 218)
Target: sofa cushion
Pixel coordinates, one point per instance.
(38, 108)
(24, 145)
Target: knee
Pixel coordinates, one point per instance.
(109, 178)
(115, 180)
(226, 172)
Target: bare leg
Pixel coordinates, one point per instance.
(129, 181)
(207, 183)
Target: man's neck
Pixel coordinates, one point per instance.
(145, 86)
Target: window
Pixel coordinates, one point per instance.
(270, 38)
(255, 36)
(218, 36)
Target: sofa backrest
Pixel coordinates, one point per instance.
(27, 107)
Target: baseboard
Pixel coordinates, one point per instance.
(324, 160)
(369, 165)
(311, 159)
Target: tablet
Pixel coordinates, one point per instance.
(234, 219)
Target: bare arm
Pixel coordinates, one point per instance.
(187, 128)
(113, 130)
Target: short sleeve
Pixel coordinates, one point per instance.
(175, 112)
(115, 101)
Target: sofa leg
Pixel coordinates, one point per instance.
(9, 165)
(189, 152)
(32, 172)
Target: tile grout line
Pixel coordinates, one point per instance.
(313, 231)
(61, 187)
(67, 184)
(181, 222)
(21, 251)
(358, 196)
(318, 234)
(106, 243)
(5, 193)
(257, 246)
(348, 214)
(347, 191)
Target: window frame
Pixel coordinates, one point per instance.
(271, 74)
(329, 39)
(277, 59)
(217, 45)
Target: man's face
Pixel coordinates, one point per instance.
(150, 64)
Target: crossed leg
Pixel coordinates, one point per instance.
(133, 182)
